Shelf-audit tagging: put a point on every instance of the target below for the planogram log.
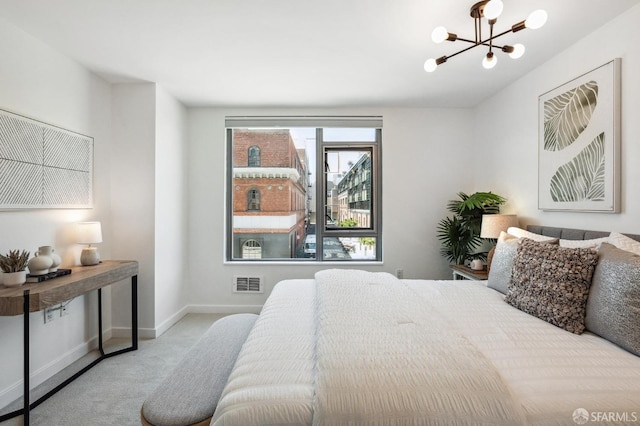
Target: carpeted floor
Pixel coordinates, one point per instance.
(112, 392)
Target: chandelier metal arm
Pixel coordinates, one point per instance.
(487, 42)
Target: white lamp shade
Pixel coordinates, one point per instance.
(493, 224)
(89, 233)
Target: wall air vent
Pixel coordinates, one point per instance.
(247, 284)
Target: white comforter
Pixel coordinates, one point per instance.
(366, 349)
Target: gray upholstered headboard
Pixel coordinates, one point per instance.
(572, 234)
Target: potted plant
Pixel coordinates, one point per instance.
(460, 234)
(14, 265)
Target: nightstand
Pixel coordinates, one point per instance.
(462, 272)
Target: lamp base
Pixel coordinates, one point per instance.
(89, 256)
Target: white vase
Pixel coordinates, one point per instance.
(49, 251)
(40, 264)
(14, 279)
(477, 265)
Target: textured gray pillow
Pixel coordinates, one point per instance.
(552, 283)
(502, 261)
(613, 308)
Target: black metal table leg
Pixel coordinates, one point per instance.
(134, 312)
(100, 348)
(25, 350)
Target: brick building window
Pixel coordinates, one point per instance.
(253, 200)
(254, 156)
(251, 250)
(311, 180)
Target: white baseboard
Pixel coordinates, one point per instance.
(224, 309)
(50, 369)
(153, 333)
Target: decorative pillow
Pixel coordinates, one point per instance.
(613, 308)
(522, 233)
(625, 243)
(552, 283)
(595, 243)
(501, 262)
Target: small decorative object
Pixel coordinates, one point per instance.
(49, 251)
(13, 265)
(48, 276)
(579, 143)
(89, 233)
(477, 265)
(40, 264)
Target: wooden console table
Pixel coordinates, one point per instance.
(38, 296)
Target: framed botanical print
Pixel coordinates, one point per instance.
(579, 143)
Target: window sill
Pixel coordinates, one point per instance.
(303, 263)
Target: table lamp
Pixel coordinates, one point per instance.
(492, 225)
(89, 233)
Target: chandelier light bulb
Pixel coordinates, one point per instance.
(518, 51)
(439, 34)
(489, 61)
(493, 9)
(430, 65)
(536, 19)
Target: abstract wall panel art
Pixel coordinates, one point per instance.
(43, 166)
(579, 143)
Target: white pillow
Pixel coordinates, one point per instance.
(595, 243)
(625, 243)
(522, 233)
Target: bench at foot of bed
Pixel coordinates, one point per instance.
(190, 394)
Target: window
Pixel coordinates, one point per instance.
(304, 189)
(253, 200)
(251, 249)
(254, 156)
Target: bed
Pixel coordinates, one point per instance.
(351, 347)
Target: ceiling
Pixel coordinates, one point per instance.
(301, 53)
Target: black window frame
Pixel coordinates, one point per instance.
(322, 230)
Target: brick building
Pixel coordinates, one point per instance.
(269, 194)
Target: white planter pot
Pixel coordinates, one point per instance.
(14, 279)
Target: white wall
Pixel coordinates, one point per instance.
(171, 249)
(426, 161)
(149, 204)
(40, 83)
(506, 128)
(133, 200)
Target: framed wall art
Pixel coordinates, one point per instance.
(43, 166)
(579, 143)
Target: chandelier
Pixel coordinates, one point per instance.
(490, 10)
